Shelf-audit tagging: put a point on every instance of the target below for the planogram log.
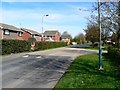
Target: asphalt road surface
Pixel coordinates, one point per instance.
(41, 69)
(80, 46)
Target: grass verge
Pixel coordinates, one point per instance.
(82, 73)
(97, 48)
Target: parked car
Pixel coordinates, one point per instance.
(74, 43)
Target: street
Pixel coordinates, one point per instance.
(40, 69)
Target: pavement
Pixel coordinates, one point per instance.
(40, 69)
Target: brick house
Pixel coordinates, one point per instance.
(27, 33)
(66, 38)
(53, 36)
(10, 32)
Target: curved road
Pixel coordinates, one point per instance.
(41, 69)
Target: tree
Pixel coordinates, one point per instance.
(113, 37)
(65, 34)
(80, 38)
(31, 40)
(110, 19)
(66, 37)
(92, 33)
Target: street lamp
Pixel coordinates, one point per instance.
(100, 67)
(42, 23)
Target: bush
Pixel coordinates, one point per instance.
(49, 45)
(14, 46)
(95, 44)
(17, 46)
(114, 52)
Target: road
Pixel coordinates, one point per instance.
(80, 46)
(40, 69)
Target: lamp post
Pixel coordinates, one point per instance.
(42, 24)
(100, 67)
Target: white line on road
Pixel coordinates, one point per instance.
(38, 57)
(26, 56)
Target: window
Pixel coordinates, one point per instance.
(20, 34)
(6, 32)
(66, 39)
(33, 35)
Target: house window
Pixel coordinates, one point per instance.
(45, 36)
(20, 34)
(6, 32)
(33, 36)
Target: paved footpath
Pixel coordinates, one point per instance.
(41, 69)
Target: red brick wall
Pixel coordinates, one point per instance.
(38, 38)
(26, 35)
(19, 37)
(57, 37)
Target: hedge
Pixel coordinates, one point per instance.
(17, 46)
(49, 45)
(14, 46)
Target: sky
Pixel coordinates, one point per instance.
(63, 16)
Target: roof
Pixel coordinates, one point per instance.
(50, 33)
(30, 31)
(10, 27)
(65, 36)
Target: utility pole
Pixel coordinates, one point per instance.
(100, 67)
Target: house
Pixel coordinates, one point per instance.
(53, 36)
(10, 32)
(66, 38)
(27, 33)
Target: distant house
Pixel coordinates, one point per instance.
(10, 32)
(53, 36)
(27, 33)
(66, 38)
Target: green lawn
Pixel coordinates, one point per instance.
(83, 73)
(97, 48)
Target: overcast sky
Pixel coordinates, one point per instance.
(63, 16)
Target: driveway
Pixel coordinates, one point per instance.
(41, 69)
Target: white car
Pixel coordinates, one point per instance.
(74, 43)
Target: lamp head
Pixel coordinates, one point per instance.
(46, 15)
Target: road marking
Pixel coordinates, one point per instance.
(26, 56)
(38, 57)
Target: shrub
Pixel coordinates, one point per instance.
(95, 44)
(114, 52)
(49, 45)
(14, 46)
(17, 46)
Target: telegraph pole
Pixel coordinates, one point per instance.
(100, 67)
